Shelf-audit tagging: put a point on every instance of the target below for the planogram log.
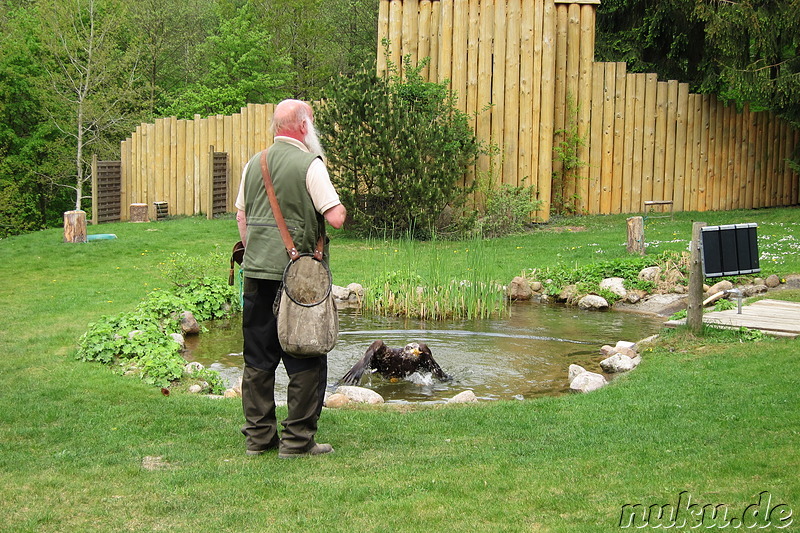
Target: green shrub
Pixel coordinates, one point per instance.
(507, 209)
(165, 307)
(398, 149)
(139, 342)
(724, 305)
(587, 278)
(208, 298)
(214, 384)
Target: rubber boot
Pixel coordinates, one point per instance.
(305, 394)
(258, 402)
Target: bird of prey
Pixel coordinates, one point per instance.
(395, 363)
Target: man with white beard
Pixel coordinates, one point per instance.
(307, 200)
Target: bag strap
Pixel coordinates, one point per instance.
(279, 220)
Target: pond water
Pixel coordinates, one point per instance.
(524, 355)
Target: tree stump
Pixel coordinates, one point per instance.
(75, 226)
(139, 213)
(636, 235)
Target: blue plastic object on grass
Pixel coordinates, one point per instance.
(101, 237)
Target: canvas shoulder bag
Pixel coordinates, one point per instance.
(308, 322)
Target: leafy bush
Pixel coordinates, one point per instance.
(398, 149)
(139, 342)
(181, 269)
(214, 384)
(208, 298)
(587, 279)
(136, 342)
(507, 209)
(164, 306)
(197, 286)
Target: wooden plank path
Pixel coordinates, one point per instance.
(774, 317)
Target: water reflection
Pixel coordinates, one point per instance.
(522, 356)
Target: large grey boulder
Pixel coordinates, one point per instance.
(466, 396)
(587, 382)
(360, 394)
(593, 302)
(615, 286)
(619, 363)
(720, 286)
(652, 273)
(575, 371)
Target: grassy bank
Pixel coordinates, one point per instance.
(82, 449)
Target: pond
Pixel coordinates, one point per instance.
(522, 356)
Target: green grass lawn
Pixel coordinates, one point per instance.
(82, 449)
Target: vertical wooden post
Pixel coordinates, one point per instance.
(95, 194)
(694, 311)
(636, 235)
(75, 226)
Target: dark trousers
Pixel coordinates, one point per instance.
(262, 354)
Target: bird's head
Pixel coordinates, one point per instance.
(411, 350)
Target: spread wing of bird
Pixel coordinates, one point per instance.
(427, 362)
(353, 376)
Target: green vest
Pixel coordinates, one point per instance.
(265, 255)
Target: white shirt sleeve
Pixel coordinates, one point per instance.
(320, 188)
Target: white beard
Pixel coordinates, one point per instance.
(312, 141)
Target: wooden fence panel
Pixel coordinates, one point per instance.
(510, 103)
(587, 23)
(547, 89)
(648, 139)
(527, 125)
(595, 137)
(607, 150)
(659, 141)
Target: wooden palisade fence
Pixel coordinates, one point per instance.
(525, 70)
(532, 61)
(193, 165)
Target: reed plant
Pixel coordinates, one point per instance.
(416, 281)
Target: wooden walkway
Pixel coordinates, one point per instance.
(774, 317)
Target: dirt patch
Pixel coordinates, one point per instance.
(563, 229)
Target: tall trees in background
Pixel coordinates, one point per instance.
(77, 75)
(236, 63)
(165, 34)
(29, 140)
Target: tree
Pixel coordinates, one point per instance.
(89, 77)
(321, 38)
(166, 33)
(240, 65)
(398, 148)
(28, 201)
(664, 37)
